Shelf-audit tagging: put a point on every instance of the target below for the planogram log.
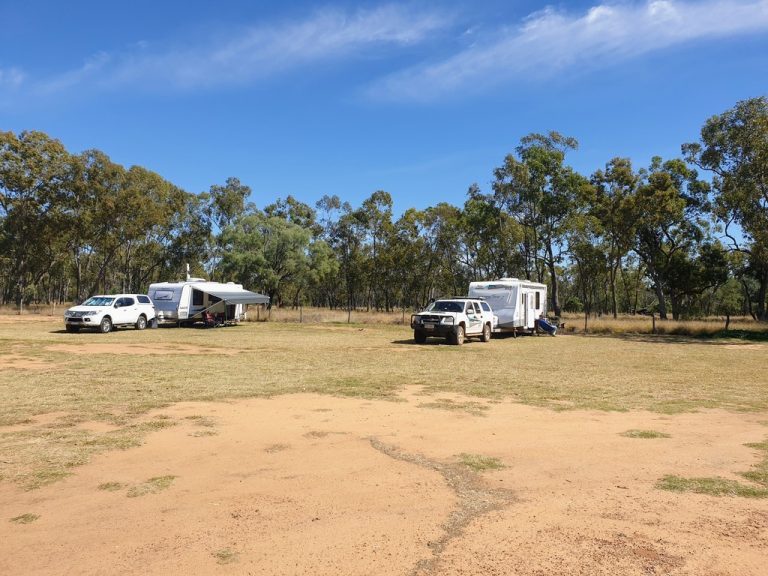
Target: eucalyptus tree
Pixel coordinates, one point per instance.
(611, 201)
(227, 202)
(734, 147)
(88, 207)
(540, 192)
(589, 261)
(224, 205)
(490, 237)
(671, 234)
(443, 269)
(347, 238)
(375, 215)
(408, 250)
(296, 212)
(33, 170)
(329, 210)
(189, 234)
(265, 252)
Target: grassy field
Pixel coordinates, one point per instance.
(115, 379)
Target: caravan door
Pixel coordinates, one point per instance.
(529, 309)
(184, 301)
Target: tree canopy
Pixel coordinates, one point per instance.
(659, 238)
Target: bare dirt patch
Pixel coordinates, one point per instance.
(306, 484)
(15, 361)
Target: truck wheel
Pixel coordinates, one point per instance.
(105, 325)
(419, 336)
(486, 336)
(72, 328)
(458, 337)
(141, 323)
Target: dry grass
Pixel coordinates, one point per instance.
(151, 486)
(311, 315)
(45, 410)
(626, 324)
(645, 434)
(479, 463)
(25, 519)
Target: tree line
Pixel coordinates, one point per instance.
(659, 238)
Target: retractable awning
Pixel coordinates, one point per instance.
(236, 297)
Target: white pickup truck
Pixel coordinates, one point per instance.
(454, 319)
(104, 313)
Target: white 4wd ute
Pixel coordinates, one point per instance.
(454, 319)
(103, 313)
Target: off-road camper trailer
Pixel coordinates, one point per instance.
(517, 303)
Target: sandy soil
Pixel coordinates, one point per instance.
(316, 485)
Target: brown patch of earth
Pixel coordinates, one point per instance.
(14, 361)
(155, 349)
(307, 484)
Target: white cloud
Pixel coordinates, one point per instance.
(251, 53)
(551, 41)
(11, 78)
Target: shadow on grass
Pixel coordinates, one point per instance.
(720, 338)
(429, 342)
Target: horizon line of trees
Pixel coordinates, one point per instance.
(621, 240)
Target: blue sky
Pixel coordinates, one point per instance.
(418, 98)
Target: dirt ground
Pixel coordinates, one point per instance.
(306, 484)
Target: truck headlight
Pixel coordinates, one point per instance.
(447, 320)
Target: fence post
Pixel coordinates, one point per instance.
(653, 319)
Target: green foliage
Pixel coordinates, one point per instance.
(621, 241)
(734, 147)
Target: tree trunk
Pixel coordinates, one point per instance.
(662, 301)
(676, 301)
(762, 314)
(554, 282)
(612, 274)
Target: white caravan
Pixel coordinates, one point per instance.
(184, 302)
(517, 303)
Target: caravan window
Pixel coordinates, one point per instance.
(538, 300)
(163, 295)
(197, 298)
